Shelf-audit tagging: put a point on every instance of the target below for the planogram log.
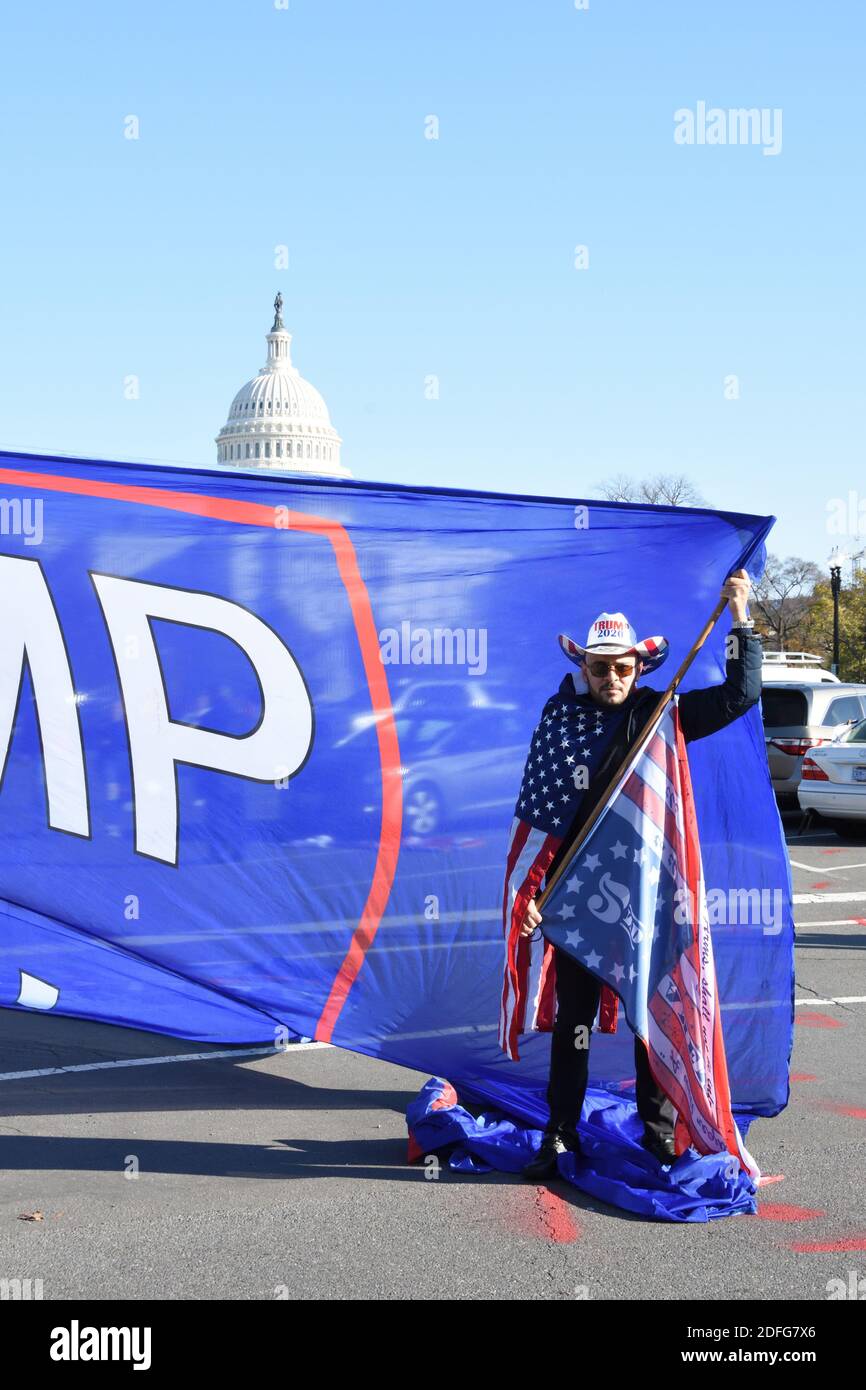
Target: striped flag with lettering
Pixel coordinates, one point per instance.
(631, 908)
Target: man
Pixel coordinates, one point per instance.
(612, 713)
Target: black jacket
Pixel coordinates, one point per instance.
(702, 712)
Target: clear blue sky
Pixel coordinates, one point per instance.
(453, 257)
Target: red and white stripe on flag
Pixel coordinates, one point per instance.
(528, 984)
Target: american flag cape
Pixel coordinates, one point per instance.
(631, 908)
(528, 1002)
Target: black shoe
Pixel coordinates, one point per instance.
(553, 1143)
(661, 1146)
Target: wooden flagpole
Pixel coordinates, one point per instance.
(633, 752)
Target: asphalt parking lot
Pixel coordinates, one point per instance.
(242, 1174)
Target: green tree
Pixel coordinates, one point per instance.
(817, 628)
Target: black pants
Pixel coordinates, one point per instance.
(577, 995)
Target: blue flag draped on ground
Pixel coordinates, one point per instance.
(260, 741)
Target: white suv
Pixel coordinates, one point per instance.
(801, 715)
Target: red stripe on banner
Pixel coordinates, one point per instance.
(257, 514)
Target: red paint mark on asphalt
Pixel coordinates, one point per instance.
(832, 851)
(861, 921)
(778, 1211)
(809, 1018)
(548, 1217)
(803, 1076)
(856, 1112)
(557, 1221)
(830, 1247)
(822, 883)
(766, 1178)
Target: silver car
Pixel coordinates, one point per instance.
(834, 782)
(799, 716)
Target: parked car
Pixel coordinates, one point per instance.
(459, 765)
(800, 716)
(833, 784)
(458, 770)
(413, 696)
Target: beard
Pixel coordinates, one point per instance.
(614, 697)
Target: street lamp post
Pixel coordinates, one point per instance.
(836, 561)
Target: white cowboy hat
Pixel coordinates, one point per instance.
(613, 635)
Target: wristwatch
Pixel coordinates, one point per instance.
(747, 623)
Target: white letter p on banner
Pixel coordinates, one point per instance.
(278, 746)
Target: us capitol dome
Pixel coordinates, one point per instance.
(279, 421)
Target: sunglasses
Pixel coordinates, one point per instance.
(601, 668)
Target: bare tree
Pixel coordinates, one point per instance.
(673, 489)
(668, 489)
(784, 594)
(619, 488)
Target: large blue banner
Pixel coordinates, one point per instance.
(261, 743)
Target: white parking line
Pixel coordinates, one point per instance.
(842, 999)
(831, 922)
(155, 1061)
(838, 868)
(829, 898)
(826, 868)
